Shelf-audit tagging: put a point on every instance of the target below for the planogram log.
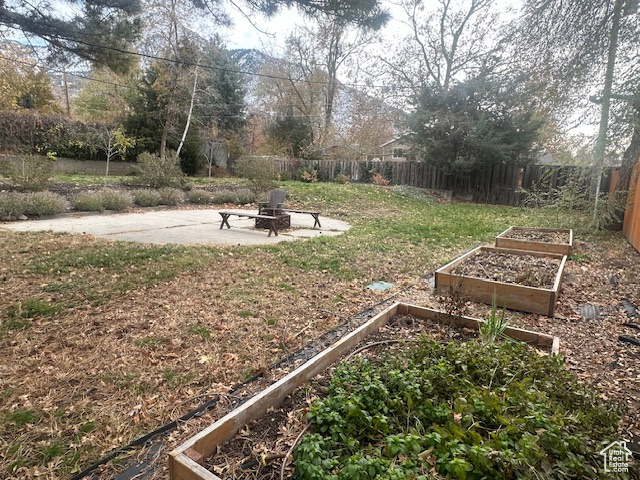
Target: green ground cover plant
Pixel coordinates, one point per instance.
(458, 410)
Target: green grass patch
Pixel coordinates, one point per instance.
(175, 379)
(19, 316)
(579, 258)
(200, 330)
(286, 287)
(21, 417)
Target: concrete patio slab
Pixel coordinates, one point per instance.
(180, 227)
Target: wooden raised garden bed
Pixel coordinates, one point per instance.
(546, 240)
(186, 462)
(520, 280)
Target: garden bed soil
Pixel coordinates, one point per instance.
(529, 270)
(549, 240)
(516, 279)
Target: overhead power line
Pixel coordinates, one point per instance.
(236, 71)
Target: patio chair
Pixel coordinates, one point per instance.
(275, 207)
(275, 204)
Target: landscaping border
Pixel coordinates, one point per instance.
(185, 462)
(504, 241)
(512, 296)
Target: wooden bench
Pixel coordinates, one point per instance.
(315, 215)
(273, 224)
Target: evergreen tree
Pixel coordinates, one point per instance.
(99, 33)
(292, 134)
(473, 125)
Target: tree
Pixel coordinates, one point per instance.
(113, 142)
(101, 30)
(337, 44)
(294, 90)
(448, 42)
(594, 32)
(370, 123)
(291, 133)
(103, 96)
(583, 63)
(22, 83)
(221, 92)
(473, 125)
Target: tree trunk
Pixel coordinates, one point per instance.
(193, 96)
(601, 140)
(163, 139)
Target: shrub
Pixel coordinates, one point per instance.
(115, 200)
(378, 179)
(238, 197)
(146, 197)
(261, 172)
(342, 179)
(200, 197)
(88, 202)
(224, 196)
(576, 195)
(157, 173)
(285, 176)
(307, 174)
(170, 196)
(29, 131)
(414, 193)
(244, 196)
(29, 172)
(44, 203)
(310, 176)
(12, 205)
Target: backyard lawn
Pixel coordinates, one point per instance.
(103, 341)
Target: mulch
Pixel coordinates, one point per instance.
(539, 236)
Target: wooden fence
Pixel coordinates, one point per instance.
(631, 226)
(499, 184)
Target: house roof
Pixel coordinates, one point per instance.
(393, 140)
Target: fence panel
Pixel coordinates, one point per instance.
(498, 184)
(631, 225)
